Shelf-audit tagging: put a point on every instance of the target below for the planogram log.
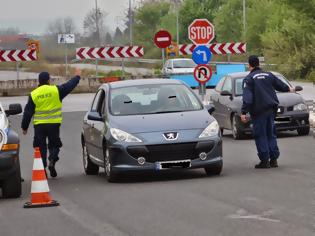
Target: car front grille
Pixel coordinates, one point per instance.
(170, 152)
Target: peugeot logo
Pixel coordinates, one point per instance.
(171, 135)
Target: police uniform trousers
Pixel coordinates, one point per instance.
(264, 132)
(42, 132)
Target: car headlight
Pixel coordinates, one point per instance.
(300, 107)
(2, 138)
(123, 136)
(211, 130)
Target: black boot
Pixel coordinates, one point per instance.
(51, 168)
(263, 165)
(273, 163)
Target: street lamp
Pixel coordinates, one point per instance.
(97, 26)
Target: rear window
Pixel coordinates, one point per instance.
(152, 99)
(239, 84)
(184, 64)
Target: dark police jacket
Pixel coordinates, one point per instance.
(259, 94)
(63, 89)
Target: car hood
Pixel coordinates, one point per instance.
(162, 122)
(289, 99)
(285, 99)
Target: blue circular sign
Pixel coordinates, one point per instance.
(201, 55)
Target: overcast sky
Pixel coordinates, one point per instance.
(33, 16)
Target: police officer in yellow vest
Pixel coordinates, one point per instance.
(44, 105)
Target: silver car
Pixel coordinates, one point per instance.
(149, 125)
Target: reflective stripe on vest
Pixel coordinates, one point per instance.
(47, 105)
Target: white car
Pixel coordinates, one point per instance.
(10, 173)
(179, 66)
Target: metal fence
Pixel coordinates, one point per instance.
(311, 106)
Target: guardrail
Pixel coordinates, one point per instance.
(311, 107)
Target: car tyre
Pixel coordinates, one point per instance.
(214, 169)
(303, 131)
(12, 187)
(109, 173)
(236, 130)
(89, 167)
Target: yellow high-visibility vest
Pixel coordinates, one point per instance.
(47, 105)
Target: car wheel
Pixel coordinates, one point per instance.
(236, 131)
(214, 169)
(89, 167)
(110, 175)
(303, 131)
(12, 187)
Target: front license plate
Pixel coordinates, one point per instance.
(182, 164)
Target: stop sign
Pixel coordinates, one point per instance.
(201, 31)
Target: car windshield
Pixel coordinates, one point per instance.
(239, 84)
(152, 99)
(184, 64)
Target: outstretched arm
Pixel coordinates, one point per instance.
(67, 87)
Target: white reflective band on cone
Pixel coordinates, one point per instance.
(40, 186)
(38, 164)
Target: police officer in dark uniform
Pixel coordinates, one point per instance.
(45, 106)
(261, 102)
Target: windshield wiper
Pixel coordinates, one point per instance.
(160, 112)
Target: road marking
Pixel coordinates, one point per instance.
(243, 214)
(86, 220)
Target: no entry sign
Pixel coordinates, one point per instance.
(162, 39)
(201, 31)
(202, 73)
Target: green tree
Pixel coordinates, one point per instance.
(289, 41)
(194, 9)
(147, 22)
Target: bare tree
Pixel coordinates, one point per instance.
(62, 26)
(94, 26)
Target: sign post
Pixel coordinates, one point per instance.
(202, 74)
(66, 39)
(162, 39)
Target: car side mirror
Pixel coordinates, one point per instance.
(210, 109)
(14, 109)
(94, 115)
(298, 88)
(225, 93)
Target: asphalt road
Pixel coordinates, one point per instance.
(242, 201)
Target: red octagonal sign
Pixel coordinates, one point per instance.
(201, 31)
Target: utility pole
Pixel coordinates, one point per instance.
(130, 22)
(98, 36)
(97, 25)
(244, 20)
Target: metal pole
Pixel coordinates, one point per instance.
(96, 68)
(163, 57)
(123, 68)
(66, 58)
(18, 73)
(244, 20)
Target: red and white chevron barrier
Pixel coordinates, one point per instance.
(109, 52)
(215, 48)
(17, 55)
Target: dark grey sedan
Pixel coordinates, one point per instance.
(292, 112)
(149, 125)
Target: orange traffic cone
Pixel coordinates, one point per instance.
(40, 191)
